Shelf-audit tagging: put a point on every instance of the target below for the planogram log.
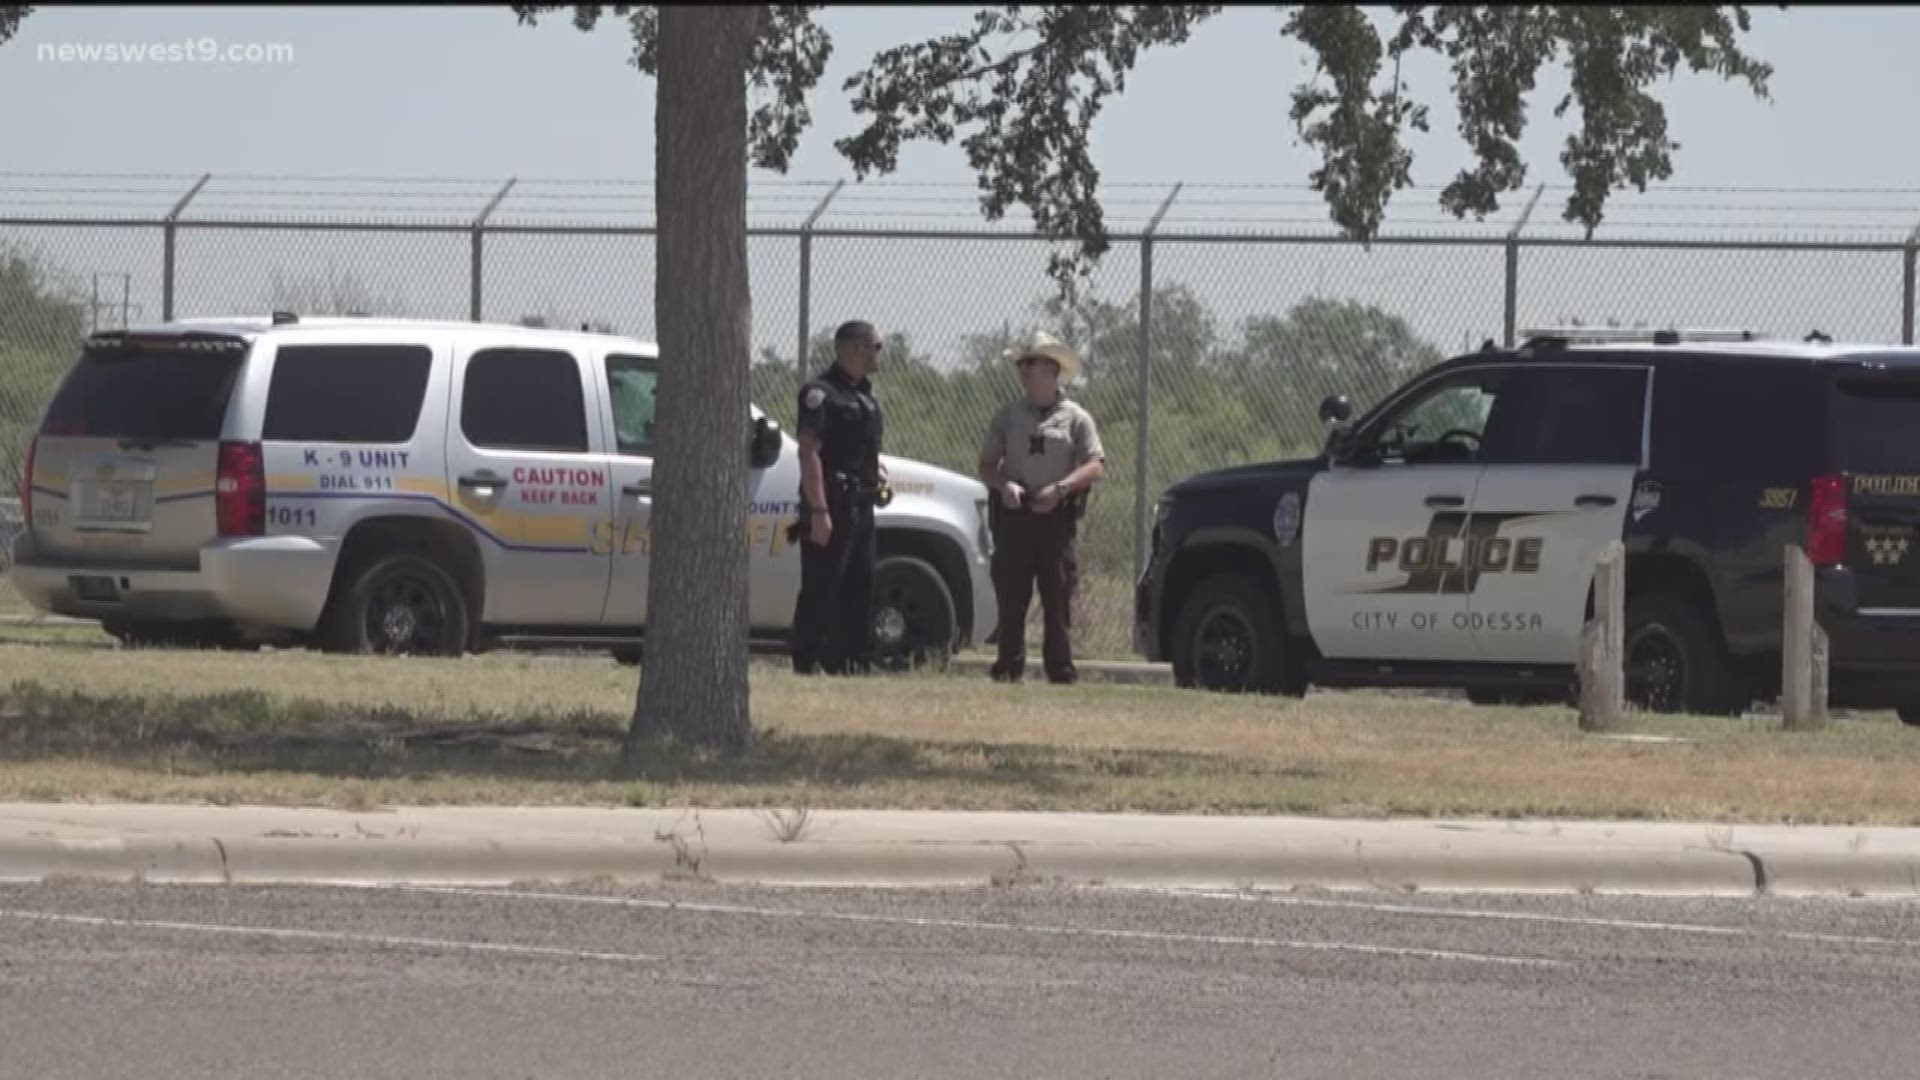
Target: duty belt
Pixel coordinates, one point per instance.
(853, 485)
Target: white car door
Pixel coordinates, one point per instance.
(1383, 540)
(773, 506)
(631, 379)
(1563, 448)
(528, 470)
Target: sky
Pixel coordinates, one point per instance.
(467, 93)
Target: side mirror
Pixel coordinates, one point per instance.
(763, 446)
(1335, 409)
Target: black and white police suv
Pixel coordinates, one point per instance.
(1448, 537)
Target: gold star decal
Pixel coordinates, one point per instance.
(1887, 551)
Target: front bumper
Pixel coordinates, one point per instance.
(280, 582)
(1146, 619)
(986, 603)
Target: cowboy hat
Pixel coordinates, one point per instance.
(1052, 348)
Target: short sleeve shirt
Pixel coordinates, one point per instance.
(845, 416)
(1037, 447)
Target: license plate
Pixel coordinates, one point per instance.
(113, 503)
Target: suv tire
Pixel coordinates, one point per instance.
(1226, 639)
(1675, 660)
(914, 618)
(402, 603)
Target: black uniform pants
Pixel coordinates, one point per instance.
(1032, 549)
(833, 616)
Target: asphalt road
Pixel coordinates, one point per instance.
(1025, 981)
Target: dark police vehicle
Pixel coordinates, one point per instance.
(1448, 537)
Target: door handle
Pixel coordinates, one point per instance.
(1586, 501)
(482, 484)
(642, 490)
(1445, 500)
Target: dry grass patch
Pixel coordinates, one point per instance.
(89, 723)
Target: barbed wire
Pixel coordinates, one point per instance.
(1759, 211)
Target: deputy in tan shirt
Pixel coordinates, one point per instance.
(1041, 456)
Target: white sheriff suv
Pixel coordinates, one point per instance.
(397, 486)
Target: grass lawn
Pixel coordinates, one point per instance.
(83, 721)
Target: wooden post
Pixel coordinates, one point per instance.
(1803, 650)
(1603, 697)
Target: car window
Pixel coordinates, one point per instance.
(1441, 425)
(1720, 420)
(1873, 424)
(346, 393)
(1569, 416)
(524, 399)
(162, 390)
(633, 384)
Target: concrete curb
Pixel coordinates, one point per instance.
(254, 860)
(481, 846)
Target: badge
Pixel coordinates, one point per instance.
(1646, 498)
(1286, 518)
(815, 395)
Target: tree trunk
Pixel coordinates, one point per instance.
(693, 685)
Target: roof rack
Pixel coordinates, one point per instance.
(1611, 335)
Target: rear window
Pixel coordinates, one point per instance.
(1873, 424)
(346, 393)
(146, 393)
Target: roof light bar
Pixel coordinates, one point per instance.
(1611, 335)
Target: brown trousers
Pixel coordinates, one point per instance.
(1030, 549)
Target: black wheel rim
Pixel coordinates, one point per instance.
(1223, 650)
(909, 620)
(406, 615)
(1656, 670)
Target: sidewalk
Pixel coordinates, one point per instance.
(494, 846)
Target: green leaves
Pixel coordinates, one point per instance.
(1028, 82)
(1021, 86)
(10, 21)
(789, 55)
(1358, 136)
(1613, 54)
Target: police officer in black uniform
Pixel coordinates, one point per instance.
(840, 481)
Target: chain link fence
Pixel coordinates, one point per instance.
(1244, 333)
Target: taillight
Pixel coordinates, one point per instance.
(240, 492)
(26, 484)
(1827, 521)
